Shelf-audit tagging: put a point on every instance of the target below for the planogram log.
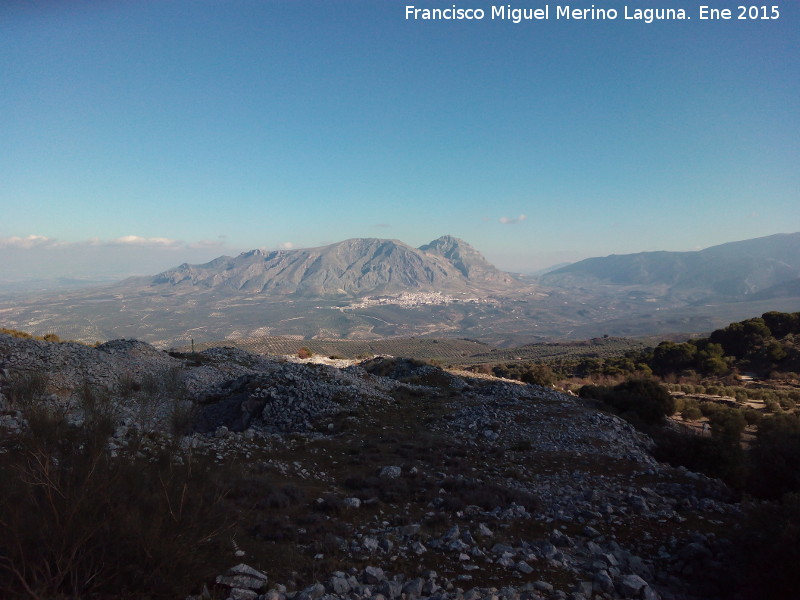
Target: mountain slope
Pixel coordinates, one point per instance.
(354, 267)
(728, 271)
(466, 259)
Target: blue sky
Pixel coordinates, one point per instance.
(181, 130)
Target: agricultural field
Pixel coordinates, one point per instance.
(559, 351)
(448, 350)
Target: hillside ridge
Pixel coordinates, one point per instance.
(726, 271)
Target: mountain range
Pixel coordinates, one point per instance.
(352, 268)
(732, 271)
(368, 288)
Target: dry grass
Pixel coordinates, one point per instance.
(76, 522)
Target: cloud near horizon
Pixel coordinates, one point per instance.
(43, 242)
(143, 241)
(34, 257)
(29, 241)
(512, 220)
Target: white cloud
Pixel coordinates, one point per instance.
(41, 257)
(29, 241)
(286, 245)
(512, 220)
(144, 241)
(130, 241)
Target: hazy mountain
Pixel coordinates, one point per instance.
(729, 271)
(786, 289)
(320, 293)
(545, 270)
(354, 267)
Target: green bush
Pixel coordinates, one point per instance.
(534, 373)
(775, 457)
(538, 374)
(592, 392)
(710, 408)
(692, 413)
(709, 455)
(644, 399)
(752, 416)
(727, 424)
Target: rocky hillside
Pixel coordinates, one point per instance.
(393, 479)
(355, 267)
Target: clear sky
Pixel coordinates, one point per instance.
(185, 129)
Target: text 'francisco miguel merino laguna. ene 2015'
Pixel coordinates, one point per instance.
(507, 12)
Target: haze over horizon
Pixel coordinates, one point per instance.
(40, 260)
(138, 136)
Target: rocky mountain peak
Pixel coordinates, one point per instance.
(469, 262)
(258, 252)
(446, 244)
(353, 267)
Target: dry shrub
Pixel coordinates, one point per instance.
(76, 522)
(25, 389)
(464, 492)
(127, 385)
(283, 498)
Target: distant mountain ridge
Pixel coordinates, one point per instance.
(320, 293)
(729, 271)
(354, 267)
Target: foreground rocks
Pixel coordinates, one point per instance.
(420, 483)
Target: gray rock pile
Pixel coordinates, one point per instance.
(68, 365)
(601, 569)
(588, 514)
(285, 397)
